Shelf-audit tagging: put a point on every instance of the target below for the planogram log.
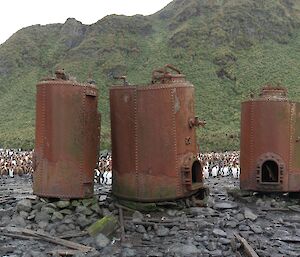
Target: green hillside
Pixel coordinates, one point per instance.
(226, 48)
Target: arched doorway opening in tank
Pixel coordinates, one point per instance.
(196, 172)
(269, 172)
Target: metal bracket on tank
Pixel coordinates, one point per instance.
(61, 74)
(163, 75)
(124, 78)
(90, 92)
(195, 122)
(188, 140)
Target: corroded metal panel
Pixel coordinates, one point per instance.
(67, 139)
(184, 109)
(156, 148)
(154, 139)
(123, 139)
(294, 177)
(295, 140)
(246, 149)
(268, 148)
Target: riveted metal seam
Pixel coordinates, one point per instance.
(43, 126)
(153, 87)
(135, 109)
(173, 133)
(64, 83)
(252, 137)
(43, 121)
(82, 116)
(292, 127)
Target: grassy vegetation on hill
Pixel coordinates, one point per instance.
(227, 49)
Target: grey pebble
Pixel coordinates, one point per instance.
(101, 241)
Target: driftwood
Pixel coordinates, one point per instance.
(295, 208)
(45, 237)
(62, 252)
(162, 220)
(148, 223)
(295, 239)
(12, 235)
(124, 207)
(137, 206)
(172, 221)
(79, 234)
(144, 244)
(5, 199)
(248, 249)
(275, 209)
(155, 220)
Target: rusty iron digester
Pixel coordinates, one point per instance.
(270, 142)
(153, 130)
(66, 138)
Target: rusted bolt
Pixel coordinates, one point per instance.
(188, 141)
(61, 74)
(125, 82)
(195, 122)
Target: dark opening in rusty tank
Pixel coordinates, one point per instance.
(270, 148)
(154, 146)
(66, 138)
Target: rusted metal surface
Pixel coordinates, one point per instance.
(67, 138)
(154, 147)
(270, 147)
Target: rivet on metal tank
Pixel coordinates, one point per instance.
(153, 130)
(66, 139)
(270, 145)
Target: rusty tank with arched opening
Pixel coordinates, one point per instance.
(270, 142)
(154, 147)
(66, 138)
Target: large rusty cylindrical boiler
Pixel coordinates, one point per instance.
(270, 142)
(66, 138)
(154, 148)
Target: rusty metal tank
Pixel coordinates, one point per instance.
(154, 148)
(66, 138)
(270, 142)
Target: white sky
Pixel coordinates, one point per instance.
(17, 14)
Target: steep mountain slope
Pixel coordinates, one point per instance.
(226, 48)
